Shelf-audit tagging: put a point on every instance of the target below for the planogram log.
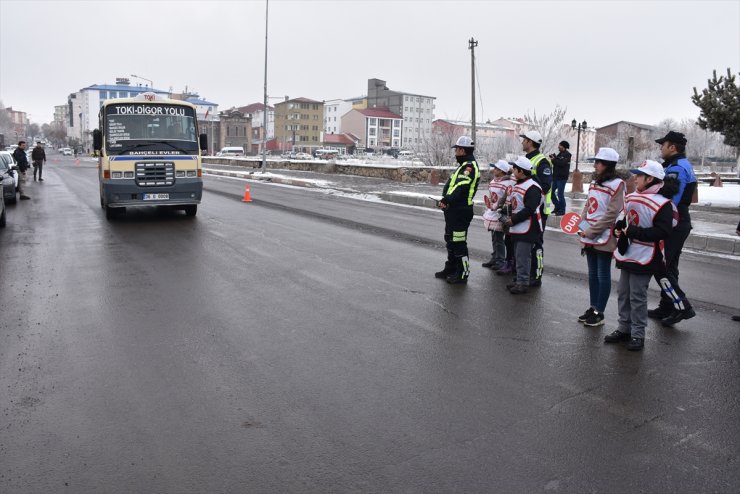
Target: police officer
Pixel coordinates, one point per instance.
(457, 204)
(542, 174)
(674, 307)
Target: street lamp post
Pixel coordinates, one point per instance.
(151, 83)
(577, 185)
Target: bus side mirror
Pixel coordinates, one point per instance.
(97, 140)
(203, 142)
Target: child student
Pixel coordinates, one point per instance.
(498, 190)
(525, 222)
(648, 219)
(605, 202)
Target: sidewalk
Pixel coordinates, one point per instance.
(714, 227)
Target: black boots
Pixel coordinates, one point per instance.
(448, 270)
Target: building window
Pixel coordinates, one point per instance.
(372, 121)
(396, 133)
(372, 131)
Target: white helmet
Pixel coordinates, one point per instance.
(533, 136)
(464, 142)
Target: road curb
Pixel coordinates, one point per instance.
(696, 242)
(255, 176)
(706, 243)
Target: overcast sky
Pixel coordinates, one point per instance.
(603, 60)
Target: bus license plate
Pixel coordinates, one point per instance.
(156, 197)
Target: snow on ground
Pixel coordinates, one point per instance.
(727, 195)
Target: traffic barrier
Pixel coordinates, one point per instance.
(247, 194)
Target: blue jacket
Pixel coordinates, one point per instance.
(678, 167)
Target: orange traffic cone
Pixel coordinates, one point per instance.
(77, 162)
(247, 194)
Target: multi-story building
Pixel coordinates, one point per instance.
(61, 116)
(18, 124)
(263, 124)
(377, 128)
(333, 112)
(416, 111)
(203, 107)
(298, 124)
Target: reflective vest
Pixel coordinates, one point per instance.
(536, 161)
(517, 204)
(599, 197)
(463, 179)
(640, 210)
(499, 188)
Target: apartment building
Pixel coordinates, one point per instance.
(377, 128)
(299, 124)
(416, 111)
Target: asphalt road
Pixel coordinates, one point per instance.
(300, 343)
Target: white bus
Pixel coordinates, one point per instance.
(150, 154)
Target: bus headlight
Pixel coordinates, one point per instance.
(128, 174)
(192, 173)
(180, 173)
(116, 174)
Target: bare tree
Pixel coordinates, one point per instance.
(549, 125)
(436, 146)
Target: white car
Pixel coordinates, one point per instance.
(66, 152)
(303, 156)
(8, 177)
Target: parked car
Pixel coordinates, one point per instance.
(66, 151)
(8, 177)
(2, 210)
(303, 156)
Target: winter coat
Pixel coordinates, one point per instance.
(561, 166)
(21, 159)
(38, 154)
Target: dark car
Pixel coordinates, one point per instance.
(8, 177)
(2, 210)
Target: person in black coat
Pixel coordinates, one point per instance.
(21, 160)
(560, 173)
(38, 156)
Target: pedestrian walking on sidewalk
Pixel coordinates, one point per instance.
(648, 220)
(457, 204)
(542, 174)
(605, 202)
(38, 156)
(525, 222)
(674, 307)
(21, 160)
(498, 191)
(560, 173)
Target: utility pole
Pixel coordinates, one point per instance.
(264, 110)
(472, 43)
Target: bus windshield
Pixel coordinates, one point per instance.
(141, 128)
